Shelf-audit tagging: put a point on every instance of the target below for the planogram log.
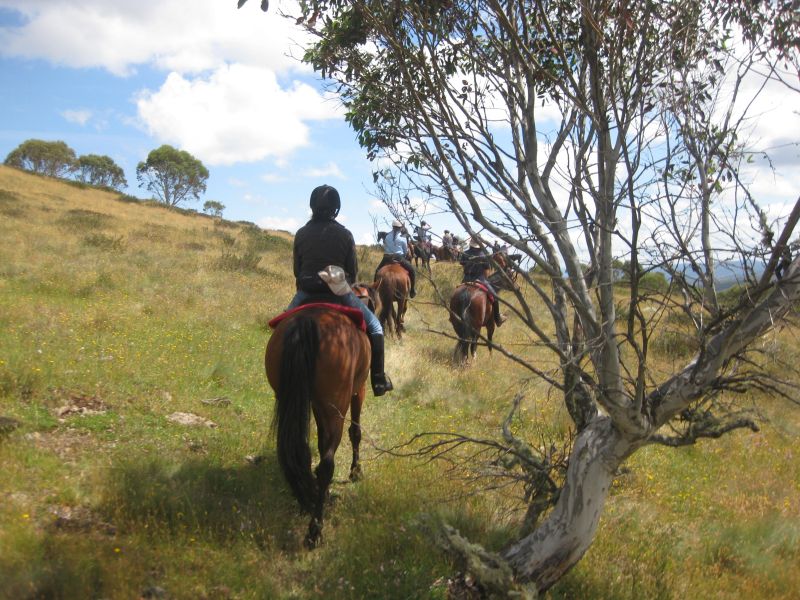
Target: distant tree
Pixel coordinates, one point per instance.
(172, 175)
(212, 207)
(100, 170)
(54, 159)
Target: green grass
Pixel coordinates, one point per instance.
(110, 300)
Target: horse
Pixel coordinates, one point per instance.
(446, 253)
(471, 310)
(367, 293)
(421, 252)
(316, 361)
(393, 285)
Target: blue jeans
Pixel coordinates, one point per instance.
(349, 299)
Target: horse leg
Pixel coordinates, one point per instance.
(402, 303)
(354, 431)
(327, 444)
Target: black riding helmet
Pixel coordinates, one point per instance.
(325, 202)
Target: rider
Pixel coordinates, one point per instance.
(322, 242)
(477, 264)
(447, 239)
(423, 236)
(395, 249)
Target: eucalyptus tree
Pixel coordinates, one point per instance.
(585, 135)
(172, 175)
(55, 159)
(101, 170)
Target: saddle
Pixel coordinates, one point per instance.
(354, 314)
(482, 287)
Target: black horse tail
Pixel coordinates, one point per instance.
(461, 323)
(293, 407)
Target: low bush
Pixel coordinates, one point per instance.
(246, 262)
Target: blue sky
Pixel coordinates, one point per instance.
(120, 78)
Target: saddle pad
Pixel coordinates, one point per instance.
(480, 286)
(354, 314)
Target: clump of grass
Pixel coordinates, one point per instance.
(261, 241)
(226, 239)
(19, 381)
(194, 246)
(674, 344)
(78, 218)
(155, 233)
(243, 263)
(128, 198)
(105, 242)
(10, 204)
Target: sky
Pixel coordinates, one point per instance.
(121, 78)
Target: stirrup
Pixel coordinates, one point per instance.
(381, 384)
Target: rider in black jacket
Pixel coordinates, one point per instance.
(477, 263)
(322, 242)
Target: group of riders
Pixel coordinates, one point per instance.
(323, 241)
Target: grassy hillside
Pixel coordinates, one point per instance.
(114, 315)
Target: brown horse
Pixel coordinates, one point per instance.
(393, 285)
(367, 293)
(421, 252)
(316, 361)
(471, 310)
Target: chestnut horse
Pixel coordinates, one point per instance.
(316, 361)
(471, 310)
(367, 293)
(393, 285)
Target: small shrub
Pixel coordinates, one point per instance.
(230, 261)
(84, 219)
(259, 241)
(128, 198)
(227, 239)
(105, 242)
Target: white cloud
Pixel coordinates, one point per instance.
(285, 223)
(81, 116)
(175, 35)
(329, 170)
(273, 178)
(235, 114)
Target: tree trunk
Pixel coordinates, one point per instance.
(545, 555)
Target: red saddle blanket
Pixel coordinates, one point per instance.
(355, 315)
(480, 286)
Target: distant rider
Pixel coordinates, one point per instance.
(477, 264)
(395, 250)
(322, 242)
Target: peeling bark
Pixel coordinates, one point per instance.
(544, 556)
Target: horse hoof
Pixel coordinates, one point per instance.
(356, 474)
(314, 535)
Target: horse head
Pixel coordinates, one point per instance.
(506, 272)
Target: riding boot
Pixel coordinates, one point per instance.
(413, 277)
(380, 381)
(498, 318)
